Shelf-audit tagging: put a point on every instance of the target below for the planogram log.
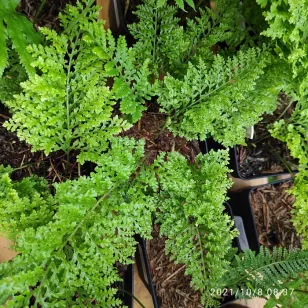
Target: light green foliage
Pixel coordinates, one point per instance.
(20, 31)
(191, 215)
(70, 259)
(294, 132)
(13, 75)
(300, 212)
(265, 270)
(80, 75)
(223, 99)
(288, 25)
(288, 28)
(23, 204)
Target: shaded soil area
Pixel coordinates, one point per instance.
(18, 155)
(272, 207)
(45, 16)
(172, 286)
(264, 154)
(158, 139)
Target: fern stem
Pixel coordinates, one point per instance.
(155, 36)
(133, 296)
(67, 91)
(202, 254)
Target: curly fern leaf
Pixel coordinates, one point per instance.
(69, 259)
(20, 31)
(56, 107)
(266, 270)
(191, 215)
(220, 100)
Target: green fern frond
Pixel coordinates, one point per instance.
(69, 102)
(191, 216)
(220, 100)
(266, 270)
(20, 31)
(159, 37)
(69, 258)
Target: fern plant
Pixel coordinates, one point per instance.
(191, 216)
(68, 256)
(223, 99)
(81, 74)
(170, 47)
(159, 36)
(276, 276)
(19, 30)
(265, 270)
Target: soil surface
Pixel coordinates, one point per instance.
(158, 139)
(264, 154)
(47, 15)
(18, 155)
(272, 207)
(172, 286)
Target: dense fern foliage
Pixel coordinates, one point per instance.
(159, 37)
(170, 47)
(18, 29)
(288, 29)
(191, 217)
(209, 88)
(275, 276)
(69, 243)
(266, 270)
(223, 99)
(68, 103)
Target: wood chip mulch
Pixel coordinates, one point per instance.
(172, 286)
(272, 206)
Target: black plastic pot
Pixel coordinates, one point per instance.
(234, 165)
(234, 162)
(128, 281)
(240, 204)
(144, 269)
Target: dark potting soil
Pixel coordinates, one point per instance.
(48, 16)
(158, 139)
(18, 155)
(265, 154)
(272, 207)
(172, 286)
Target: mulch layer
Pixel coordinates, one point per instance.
(272, 206)
(159, 139)
(172, 286)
